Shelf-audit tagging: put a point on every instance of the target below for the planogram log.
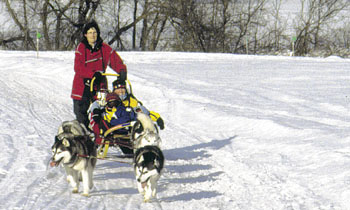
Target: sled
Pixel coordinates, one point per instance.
(112, 137)
(116, 136)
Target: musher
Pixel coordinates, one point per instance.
(92, 56)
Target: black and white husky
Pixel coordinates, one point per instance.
(74, 149)
(148, 158)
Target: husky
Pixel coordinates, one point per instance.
(148, 158)
(144, 133)
(74, 149)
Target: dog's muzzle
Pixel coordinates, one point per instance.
(54, 163)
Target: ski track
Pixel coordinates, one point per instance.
(249, 147)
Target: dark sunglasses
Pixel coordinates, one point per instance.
(113, 103)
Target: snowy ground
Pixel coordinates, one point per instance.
(242, 132)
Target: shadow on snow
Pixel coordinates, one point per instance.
(196, 151)
(199, 152)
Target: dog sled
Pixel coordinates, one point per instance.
(138, 140)
(112, 137)
(115, 136)
(76, 152)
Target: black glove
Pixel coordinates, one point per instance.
(98, 77)
(160, 123)
(122, 75)
(96, 115)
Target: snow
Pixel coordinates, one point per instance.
(242, 132)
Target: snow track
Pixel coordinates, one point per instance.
(242, 132)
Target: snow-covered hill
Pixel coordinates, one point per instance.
(242, 132)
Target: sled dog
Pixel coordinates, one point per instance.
(74, 149)
(148, 158)
(144, 133)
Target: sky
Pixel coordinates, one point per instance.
(241, 132)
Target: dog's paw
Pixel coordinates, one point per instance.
(85, 194)
(75, 190)
(154, 193)
(142, 192)
(147, 198)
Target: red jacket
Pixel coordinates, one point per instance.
(88, 61)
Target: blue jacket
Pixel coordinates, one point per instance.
(122, 116)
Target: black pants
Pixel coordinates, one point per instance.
(80, 108)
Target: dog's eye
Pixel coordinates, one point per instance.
(56, 151)
(144, 172)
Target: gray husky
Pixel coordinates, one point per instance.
(74, 149)
(148, 157)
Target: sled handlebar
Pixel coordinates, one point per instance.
(103, 74)
(108, 74)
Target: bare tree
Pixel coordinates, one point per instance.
(55, 18)
(314, 16)
(145, 30)
(199, 25)
(153, 25)
(231, 26)
(134, 26)
(22, 23)
(246, 22)
(278, 27)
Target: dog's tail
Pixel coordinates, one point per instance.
(73, 127)
(146, 122)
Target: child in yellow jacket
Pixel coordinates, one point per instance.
(129, 100)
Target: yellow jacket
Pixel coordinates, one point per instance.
(132, 102)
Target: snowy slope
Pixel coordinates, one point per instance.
(242, 132)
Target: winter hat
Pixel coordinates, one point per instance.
(92, 24)
(119, 84)
(112, 97)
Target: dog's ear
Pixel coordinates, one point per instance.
(56, 139)
(65, 142)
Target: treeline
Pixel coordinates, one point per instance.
(320, 27)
